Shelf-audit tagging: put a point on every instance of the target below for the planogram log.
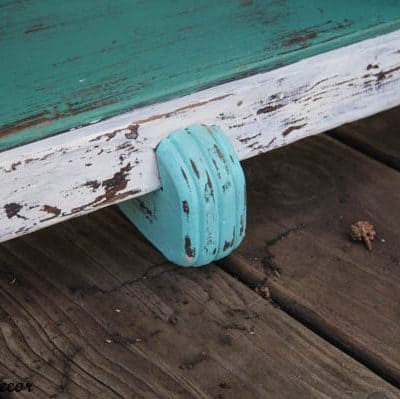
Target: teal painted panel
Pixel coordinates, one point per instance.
(199, 214)
(67, 63)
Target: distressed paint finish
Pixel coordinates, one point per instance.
(83, 170)
(67, 65)
(199, 214)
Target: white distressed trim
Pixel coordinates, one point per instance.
(91, 167)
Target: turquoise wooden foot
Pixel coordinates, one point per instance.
(199, 214)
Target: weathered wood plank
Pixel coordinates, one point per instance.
(65, 67)
(77, 172)
(88, 309)
(302, 200)
(377, 136)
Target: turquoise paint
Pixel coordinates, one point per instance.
(199, 214)
(66, 64)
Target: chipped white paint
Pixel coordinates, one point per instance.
(83, 170)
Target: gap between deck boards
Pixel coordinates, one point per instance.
(377, 136)
(301, 311)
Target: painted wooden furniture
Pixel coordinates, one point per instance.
(199, 214)
(89, 89)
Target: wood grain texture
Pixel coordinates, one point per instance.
(88, 309)
(301, 202)
(66, 66)
(77, 172)
(377, 136)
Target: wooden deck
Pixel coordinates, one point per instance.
(302, 202)
(88, 309)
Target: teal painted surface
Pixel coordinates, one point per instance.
(67, 63)
(199, 214)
